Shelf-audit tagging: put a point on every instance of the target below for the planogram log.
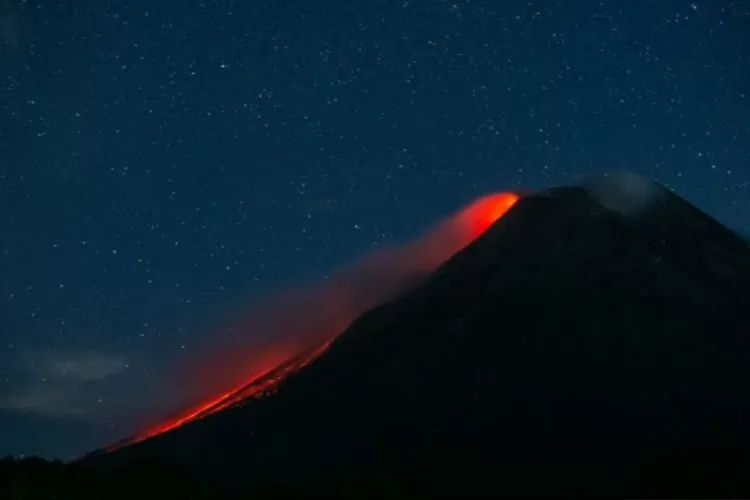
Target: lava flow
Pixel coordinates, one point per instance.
(257, 387)
(302, 324)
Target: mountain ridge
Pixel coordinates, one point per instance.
(571, 342)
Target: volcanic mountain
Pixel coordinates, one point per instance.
(594, 340)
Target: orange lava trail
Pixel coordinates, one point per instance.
(258, 386)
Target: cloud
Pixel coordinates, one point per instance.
(88, 366)
(67, 385)
(44, 399)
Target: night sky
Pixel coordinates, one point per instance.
(164, 163)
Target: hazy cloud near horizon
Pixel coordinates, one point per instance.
(61, 385)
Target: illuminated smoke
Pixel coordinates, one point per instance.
(288, 331)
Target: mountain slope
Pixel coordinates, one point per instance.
(580, 345)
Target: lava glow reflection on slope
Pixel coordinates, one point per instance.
(376, 278)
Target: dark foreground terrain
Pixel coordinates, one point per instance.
(594, 341)
(35, 478)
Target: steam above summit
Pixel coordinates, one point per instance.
(625, 192)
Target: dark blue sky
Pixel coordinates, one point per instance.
(163, 162)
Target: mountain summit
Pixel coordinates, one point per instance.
(594, 340)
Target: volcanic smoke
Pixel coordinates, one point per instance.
(288, 331)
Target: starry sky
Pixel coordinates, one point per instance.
(164, 163)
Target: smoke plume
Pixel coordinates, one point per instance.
(306, 319)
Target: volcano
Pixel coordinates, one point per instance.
(594, 340)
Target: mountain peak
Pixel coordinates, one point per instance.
(592, 339)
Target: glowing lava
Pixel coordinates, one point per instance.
(258, 386)
(478, 216)
(376, 278)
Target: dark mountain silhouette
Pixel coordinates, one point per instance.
(595, 340)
